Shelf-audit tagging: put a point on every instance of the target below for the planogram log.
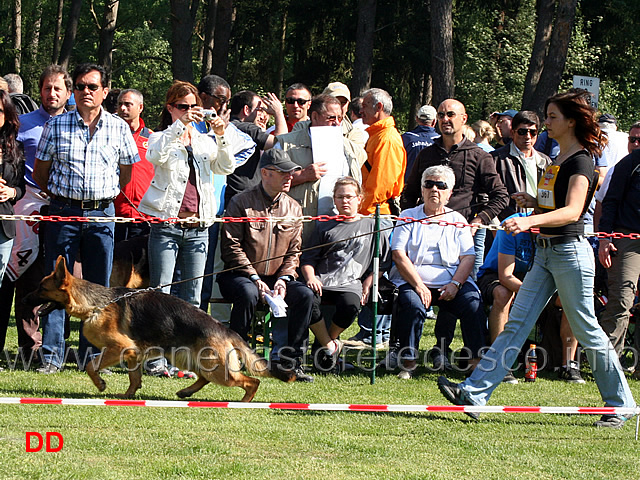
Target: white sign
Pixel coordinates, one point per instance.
(591, 84)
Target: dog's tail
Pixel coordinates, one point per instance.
(257, 365)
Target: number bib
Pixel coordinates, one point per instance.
(546, 198)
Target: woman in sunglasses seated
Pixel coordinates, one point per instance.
(433, 264)
(182, 186)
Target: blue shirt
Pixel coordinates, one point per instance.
(520, 246)
(414, 141)
(86, 167)
(31, 125)
(242, 147)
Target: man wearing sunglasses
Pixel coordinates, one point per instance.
(297, 101)
(519, 165)
(325, 111)
(83, 160)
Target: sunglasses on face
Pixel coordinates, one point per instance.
(523, 131)
(429, 184)
(222, 100)
(184, 106)
(300, 101)
(91, 86)
(450, 114)
(634, 139)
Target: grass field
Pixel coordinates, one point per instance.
(167, 443)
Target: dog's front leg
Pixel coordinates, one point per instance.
(94, 376)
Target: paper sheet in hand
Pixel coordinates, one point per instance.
(277, 305)
(327, 147)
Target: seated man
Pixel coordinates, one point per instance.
(433, 264)
(263, 257)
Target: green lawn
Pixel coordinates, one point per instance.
(158, 443)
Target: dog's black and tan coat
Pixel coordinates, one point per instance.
(148, 324)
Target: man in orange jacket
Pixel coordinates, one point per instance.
(383, 172)
(382, 182)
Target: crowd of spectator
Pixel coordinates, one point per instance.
(86, 151)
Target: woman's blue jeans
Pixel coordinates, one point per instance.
(569, 268)
(171, 245)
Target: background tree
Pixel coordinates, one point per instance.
(442, 50)
(107, 29)
(365, 33)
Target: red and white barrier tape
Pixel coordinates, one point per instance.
(347, 407)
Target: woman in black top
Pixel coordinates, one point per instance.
(563, 262)
(11, 175)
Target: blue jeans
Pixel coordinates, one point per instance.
(569, 268)
(466, 305)
(171, 245)
(207, 282)
(478, 244)
(94, 241)
(5, 252)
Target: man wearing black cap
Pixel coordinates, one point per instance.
(264, 257)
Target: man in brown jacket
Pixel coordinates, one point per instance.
(264, 256)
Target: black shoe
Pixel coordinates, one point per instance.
(571, 373)
(300, 375)
(510, 378)
(453, 393)
(612, 421)
(48, 368)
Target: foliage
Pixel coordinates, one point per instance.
(492, 45)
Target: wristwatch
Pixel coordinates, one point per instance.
(456, 283)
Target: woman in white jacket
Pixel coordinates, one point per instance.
(185, 161)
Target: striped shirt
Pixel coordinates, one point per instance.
(86, 167)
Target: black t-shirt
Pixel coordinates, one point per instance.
(248, 175)
(579, 163)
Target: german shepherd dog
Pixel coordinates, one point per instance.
(150, 324)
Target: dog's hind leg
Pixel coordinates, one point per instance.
(231, 378)
(135, 376)
(187, 392)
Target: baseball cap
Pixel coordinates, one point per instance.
(607, 118)
(427, 112)
(337, 89)
(278, 159)
(508, 113)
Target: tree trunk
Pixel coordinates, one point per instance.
(365, 34)
(442, 70)
(70, 33)
(56, 35)
(108, 30)
(281, 53)
(545, 10)
(555, 58)
(17, 35)
(208, 44)
(182, 20)
(222, 35)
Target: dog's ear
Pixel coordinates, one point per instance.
(61, 272)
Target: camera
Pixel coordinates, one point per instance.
(209, 115)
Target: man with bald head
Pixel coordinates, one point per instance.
(479, 194)
(474, 168)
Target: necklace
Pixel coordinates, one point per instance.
(562, 157)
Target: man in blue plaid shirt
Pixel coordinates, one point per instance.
(83, 159)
